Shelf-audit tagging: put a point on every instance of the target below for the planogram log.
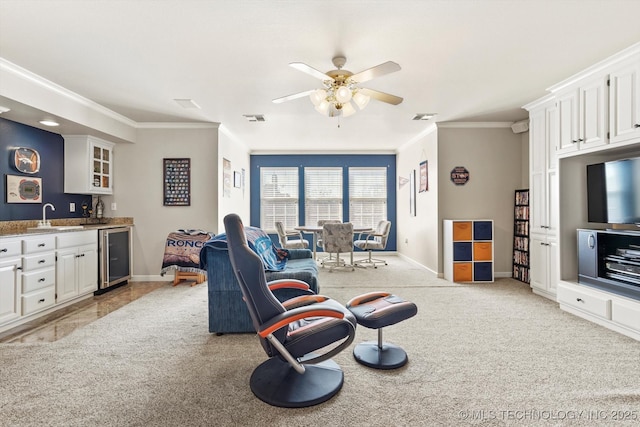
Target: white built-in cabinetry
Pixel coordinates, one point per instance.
(10, 264)
(592, 113)
(45, 271)
(624, 92)
(543, 198)
(38, 273)
(77, 265)
(582, 111)
(88, 165)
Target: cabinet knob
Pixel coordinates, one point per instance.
(42, 279)
(580, 140)
(41, 300)
(42, 245)
(4, 250)
(579, 300)
(636, 125)
(42, 261)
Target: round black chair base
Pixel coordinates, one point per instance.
(275, 382)
(389, 357)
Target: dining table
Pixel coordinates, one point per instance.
(315, 230)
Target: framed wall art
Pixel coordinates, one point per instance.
(24, 189)
(237, 179)
(424, 177)
(177, 182)
(26, 160)
(226, 177)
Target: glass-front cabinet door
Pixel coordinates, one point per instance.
(88, 165)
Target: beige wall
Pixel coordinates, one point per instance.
(138, 187)
(494, 158)
(417, 235)
(238, 154)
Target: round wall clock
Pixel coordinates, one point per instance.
(27, 160)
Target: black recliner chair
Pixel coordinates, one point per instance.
(299, 335)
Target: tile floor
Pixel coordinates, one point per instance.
(61, 323)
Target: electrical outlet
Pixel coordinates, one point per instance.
(72, 207)
(113, 206)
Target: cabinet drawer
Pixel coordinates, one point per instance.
(590, 302)
(461, 230)
(30, 263)
(482, 251)
(626, 313)
(482, 230)
(462, 251)
(9, 248)
(483, 272)
(38, 244)
(38, 279)
(38, 300)
(77, 238)
(462, 272)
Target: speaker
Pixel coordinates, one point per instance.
(519, 127)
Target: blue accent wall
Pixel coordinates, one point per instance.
(339, 160)
(50, 146)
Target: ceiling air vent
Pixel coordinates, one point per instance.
(254, 117)
(424, 116)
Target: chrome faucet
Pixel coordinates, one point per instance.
(44, 222)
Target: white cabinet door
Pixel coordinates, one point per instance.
(87, 269)
(568, 121)
(88, 165)
(543, 259)
(593, 124)
(66, 274)
(624, 102)
(9, 303)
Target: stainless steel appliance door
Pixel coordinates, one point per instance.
(115, 256)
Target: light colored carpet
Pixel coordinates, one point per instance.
(490, 354)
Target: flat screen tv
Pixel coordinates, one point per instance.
(613, 192)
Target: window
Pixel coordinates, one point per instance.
(322, 194)
(278, 197)
(367, 196)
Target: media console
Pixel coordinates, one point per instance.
(610, 260)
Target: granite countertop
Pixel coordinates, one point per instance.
(29, 227)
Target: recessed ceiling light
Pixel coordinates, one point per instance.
(49, 123)
(254, 117)
(424, 116)
(187, 103)
(4, 109)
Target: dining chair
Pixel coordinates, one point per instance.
(322, 222)
(337, 239)
(375, 240)
(290, 239)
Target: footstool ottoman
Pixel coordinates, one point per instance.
(376, 310)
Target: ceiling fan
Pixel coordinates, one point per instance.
(340, 87)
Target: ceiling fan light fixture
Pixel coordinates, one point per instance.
(317, 96)
(334, 110)
(343, 94)
(361, 100)
(347, 109)
(323, 107)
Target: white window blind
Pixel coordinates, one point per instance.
(278, 197)
(367, 196)
(322, 194)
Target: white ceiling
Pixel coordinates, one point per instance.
(466, 60)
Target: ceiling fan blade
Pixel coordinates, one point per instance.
(381, 96)
(293, 96)
(377, 71)
(310, 70)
